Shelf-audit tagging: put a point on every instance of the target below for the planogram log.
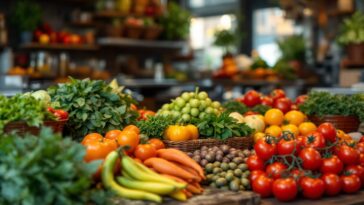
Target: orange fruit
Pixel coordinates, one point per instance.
(291, 128)
(274, 117)
(193, 131)
(113, 134)
(145, 151)
(273, 130)
(91, 137)
(177, 133)
(295, 117)
(258, 136)
(130, 139)
(132, 128)
(156, 143)
(306, 128)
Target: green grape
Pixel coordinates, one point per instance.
(202, 105)
(209, 110)
(202, 115)
(180, 102)
(186, 96)
(165, 107)
(186, 110)
(202, 95)
(176, 114)
(195, 112)
(192, 94)
(186, 117)
(216, 104)
(208, 102)
(194, 103)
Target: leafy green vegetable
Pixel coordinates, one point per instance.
(226, 39)
(261, 109)
(92, 106)
(235, 106)
(44, 169)
(221, 127)
(352, 29)
(324, 103)
(22, 108)
(175, 22)
(155, 126)
(284, 69)
(292, 48)
(259, 63)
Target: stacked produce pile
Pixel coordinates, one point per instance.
(225, 167)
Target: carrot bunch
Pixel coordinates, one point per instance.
(178, 166)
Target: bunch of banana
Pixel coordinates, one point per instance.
(139, 182)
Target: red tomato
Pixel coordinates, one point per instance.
(263, 186)
(361, 160)
(332, 165)
(267, 101)
(255, 174)
(61, 114)
(311, 159)
(347, 155)
(285, 189)
(240, 99)
(255, 163)
(332, 184)
(285, 147)
(360, 147)
(294, 107)
(357, 170)
(252, 98)
(284, 104)
(328, 131)
(314, 140)
(297, 174)
(301, 99)
(144, 114)
(145, 151)
(361, 139)
(265, 148)
(277, 93)
(350, 183)
(250, 113)
(275, 169)
(312, 188)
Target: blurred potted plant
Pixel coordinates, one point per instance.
(134, 27)
(151, 30)
(175, 22)
(26, 16)
(352, 36)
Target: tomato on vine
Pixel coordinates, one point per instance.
(255, 163)
(360, 147)
(350, 183)
(328, 131)
(263, 186)
(347, 155)
(311, 159)
(332, 184)
(314, 140)
(288, 146)
(265, 148)
(331, 165)
(255, 174)
(275, 169)
(357, 170)
(285, 189)
(312, 188)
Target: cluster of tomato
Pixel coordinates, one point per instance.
(317, 164)
(276, 99)
(98, 146)
(59, 114)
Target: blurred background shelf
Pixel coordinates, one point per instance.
(136, 43)
(60, 47)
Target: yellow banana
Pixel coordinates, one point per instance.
(109, 182)
(126, 175)
(133, 170)
(152, 187)
(178, 195)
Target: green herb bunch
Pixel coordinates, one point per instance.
(22, 108)
(324, 103)
(221, 127)
(352, 29)
(93, 106)
(45, 169)
(155, 126)
(175, 22)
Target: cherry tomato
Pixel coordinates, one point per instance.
(332, 184)
(347, 155)
(290, 146)
(263, 186)
(285, 189)
(301, 99)
(255, 174)
(331, 165)
(255, 163)
(328, 131)
(265, 148)
(350, 183)
(145, 151)
(311, 159)
(297, 174)
(252, 98)
(357, 170)
(129, 139)
(277, 93)
(97, 147)
(275, 169)
(61, 114)
(284, 104)
(267, 101)
(312, 188)
(360, 147)
(156, 143)
(314, 140)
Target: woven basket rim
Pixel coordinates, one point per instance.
(333, 116)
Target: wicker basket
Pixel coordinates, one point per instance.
(152, 32)
(134, 32)
(22, 128)
(192, 145)
(344, 123)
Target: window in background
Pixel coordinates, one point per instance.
(203, 3)
(202, 37)
(269, 25)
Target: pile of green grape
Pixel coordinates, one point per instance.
(191, 105)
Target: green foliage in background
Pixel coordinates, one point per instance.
(92, 106)
(292, 48)
(259, 62)
(45, 169)
(26, 15)
(352, 29)
(175, 22)
(226, 39)
(324, 103)
(284, 69)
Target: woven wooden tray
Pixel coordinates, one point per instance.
(344, 123)
(22, 128)
(192, 145)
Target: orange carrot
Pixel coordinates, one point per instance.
(193, 189)
(166, 167)
(177, 179)
(198, 186)
(182, 158)
(190, 170)
(188, 194)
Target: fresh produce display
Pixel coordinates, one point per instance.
(316, 164)
(225, 167)
(93, 106)
(46, 169)
(324, 103)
